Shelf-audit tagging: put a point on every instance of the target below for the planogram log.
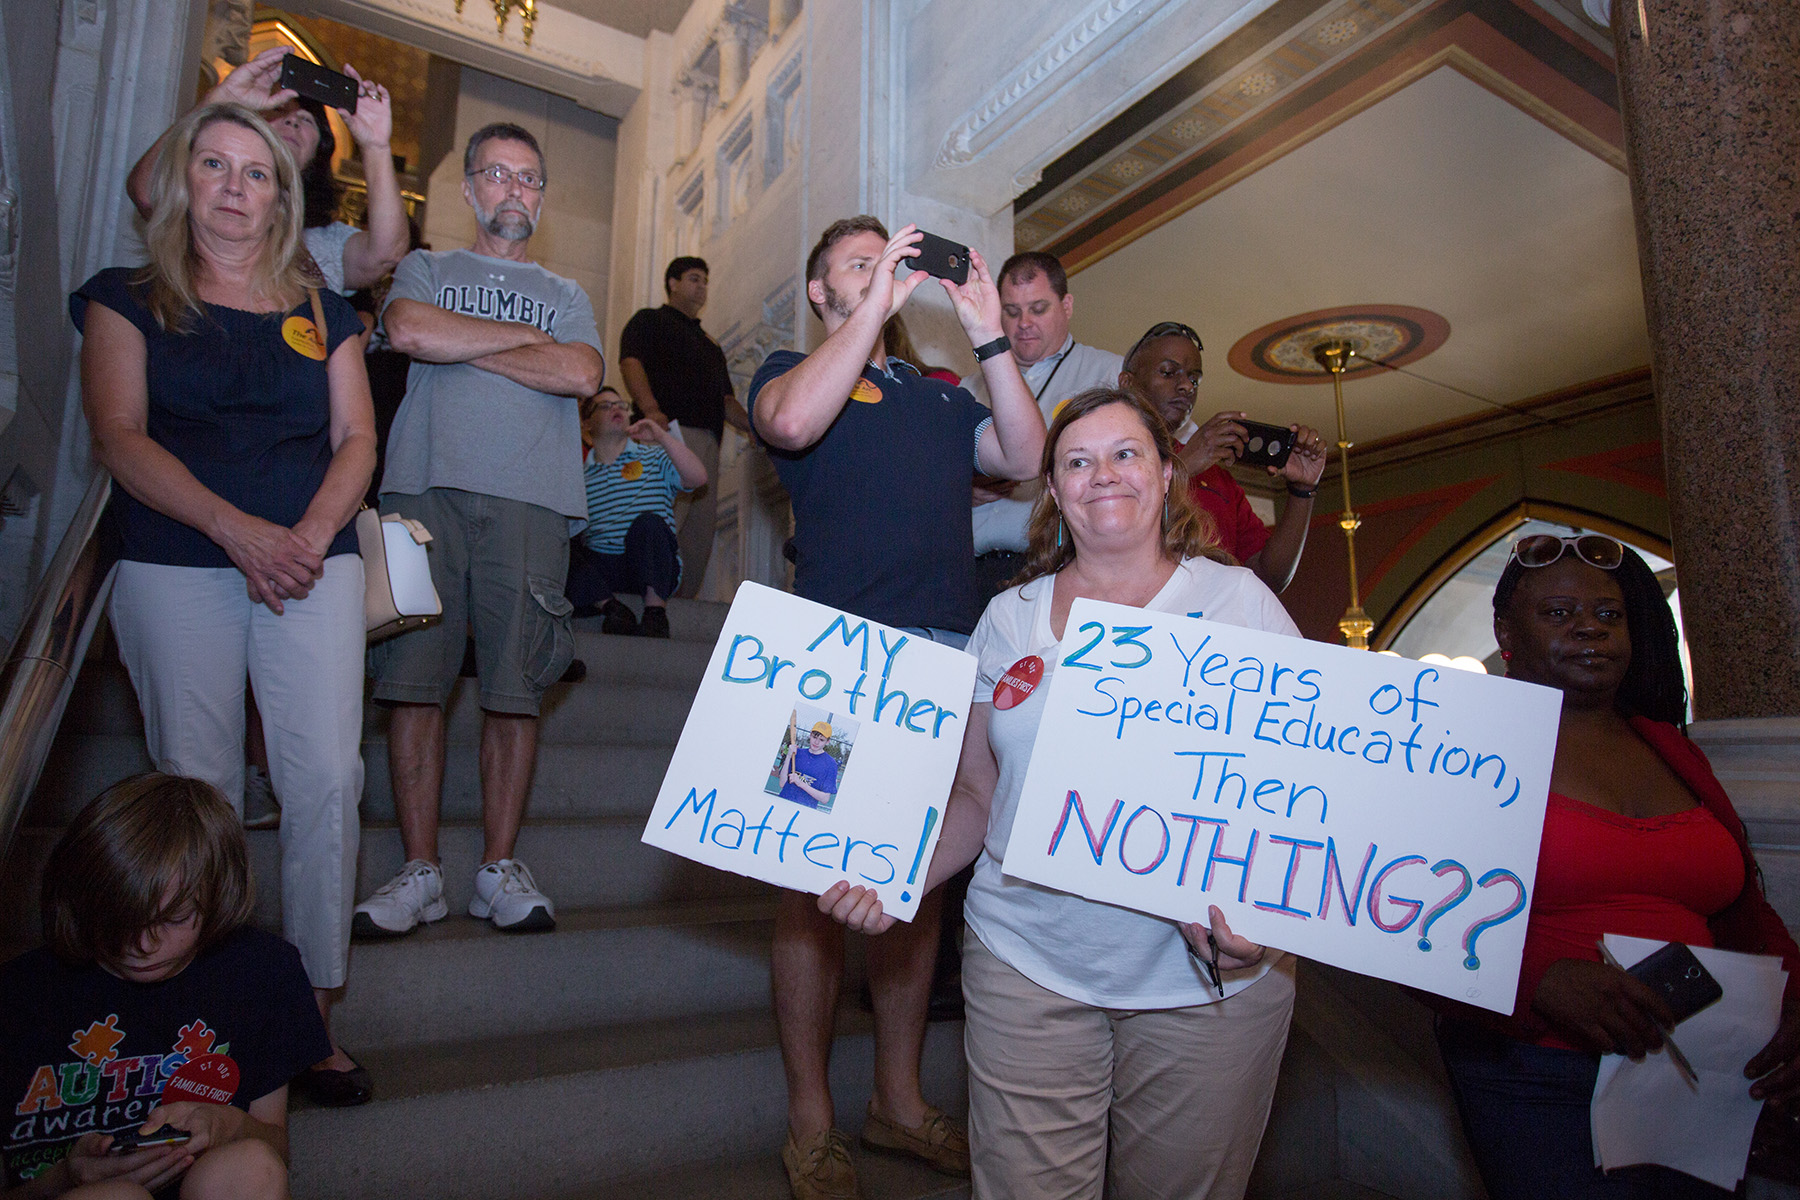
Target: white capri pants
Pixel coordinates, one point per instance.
(190, 636)
(1069, 1102)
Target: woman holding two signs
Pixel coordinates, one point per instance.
(1639, 839)
(1108, 1050)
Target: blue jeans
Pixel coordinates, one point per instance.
(651, 561)
(946, 637)
(1525, 1110)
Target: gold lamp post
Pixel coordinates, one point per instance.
(1335, 355)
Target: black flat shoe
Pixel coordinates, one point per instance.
(337, 1089)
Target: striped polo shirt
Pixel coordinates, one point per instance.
(642, 479)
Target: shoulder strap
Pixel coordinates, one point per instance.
(318, 311)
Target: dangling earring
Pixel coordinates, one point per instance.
(1059, 525)
(1165, 510)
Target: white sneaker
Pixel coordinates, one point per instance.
(415, 894)
(506, 894)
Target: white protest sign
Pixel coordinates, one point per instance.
(820, 747)
(1372, 812)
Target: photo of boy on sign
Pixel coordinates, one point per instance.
(809, 765)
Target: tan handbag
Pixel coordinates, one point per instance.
(397, 590)
(398, 593)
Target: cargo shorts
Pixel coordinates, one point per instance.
(499, 566)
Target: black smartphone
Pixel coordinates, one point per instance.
(131, 1139)
(1682, 980)
(941, 257)
(1265, 445)
(328, 87)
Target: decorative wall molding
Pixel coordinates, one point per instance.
(960, 147)
(746, 348)
(1237, 96)
(781, 120)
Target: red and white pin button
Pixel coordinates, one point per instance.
(1020, 680)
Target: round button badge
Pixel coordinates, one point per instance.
(1020, 680)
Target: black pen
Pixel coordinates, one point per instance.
(1212, 967)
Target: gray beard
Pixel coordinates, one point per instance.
(512, 231)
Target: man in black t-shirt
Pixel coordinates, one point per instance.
(675, 372)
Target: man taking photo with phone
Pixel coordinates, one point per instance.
(1164, 367)
(879, 463)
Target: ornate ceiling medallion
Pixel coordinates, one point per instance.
(1282, 352)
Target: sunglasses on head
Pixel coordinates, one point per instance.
(1594, 549)
(1166, 329)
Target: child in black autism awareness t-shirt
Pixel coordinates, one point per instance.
(151, 992)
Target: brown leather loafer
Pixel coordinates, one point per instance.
(821, 1170)
(938, 1142)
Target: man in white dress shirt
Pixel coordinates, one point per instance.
(1035, 307)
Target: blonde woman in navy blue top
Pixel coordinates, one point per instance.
(240, 439)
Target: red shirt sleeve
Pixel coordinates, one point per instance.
(1241, 531)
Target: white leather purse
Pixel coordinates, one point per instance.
(398, 593)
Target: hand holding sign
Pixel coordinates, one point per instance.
(857, 908)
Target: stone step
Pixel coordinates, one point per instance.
(578, 715)
(592, 780)
(592, 863)
(595, 863)
(103, 701)
(878, 1177)
(463, 979)
(689, 621)
(593, 710)
(542, 1115)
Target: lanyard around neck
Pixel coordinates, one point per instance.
(1039, 394)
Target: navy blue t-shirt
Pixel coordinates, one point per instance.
(242, 409)
(83, 1051)
(881, 502)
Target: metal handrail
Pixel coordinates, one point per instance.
(41, 667)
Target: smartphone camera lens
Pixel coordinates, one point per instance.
(1256, 444)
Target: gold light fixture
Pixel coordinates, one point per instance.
(1335, 355)
(527, 12)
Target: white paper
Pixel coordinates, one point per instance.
(897, 705)
(1647, 1112)
(675, 428)
(1375, 813)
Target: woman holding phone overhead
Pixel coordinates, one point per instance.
(349, 258)
(1109, 1051)
(1639, 839)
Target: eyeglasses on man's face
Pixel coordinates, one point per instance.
(531, 181)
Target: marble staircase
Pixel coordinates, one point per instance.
(631, 1052)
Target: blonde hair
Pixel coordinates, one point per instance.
(282, 271)
(1187, 530)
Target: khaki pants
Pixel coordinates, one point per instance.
(1067, 1101)
(190, 637)
(697, 513)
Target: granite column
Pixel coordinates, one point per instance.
(1711, 101)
